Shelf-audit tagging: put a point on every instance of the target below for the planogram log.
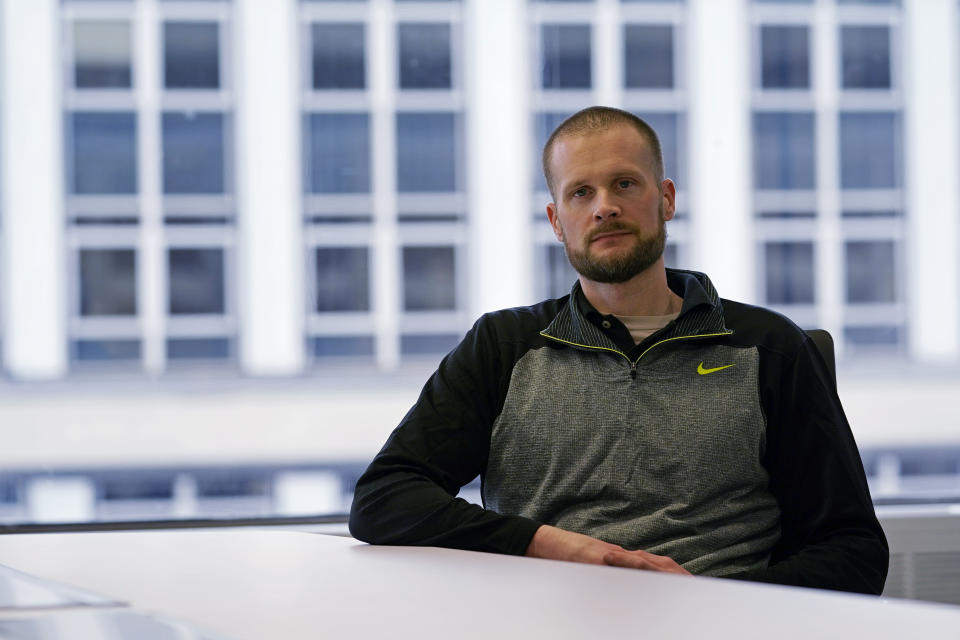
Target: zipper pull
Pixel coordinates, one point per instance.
(633, 371)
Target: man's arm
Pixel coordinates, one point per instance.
(408, 493)
(830, 536)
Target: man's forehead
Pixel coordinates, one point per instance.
(621, 144)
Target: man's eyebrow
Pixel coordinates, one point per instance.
(570, 184)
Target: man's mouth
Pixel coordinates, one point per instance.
(610, 234)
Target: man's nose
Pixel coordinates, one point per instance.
(606, 207)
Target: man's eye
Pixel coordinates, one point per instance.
(579, 193)
(625, 184)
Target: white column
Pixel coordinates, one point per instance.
(387, 279)
(33, 272)
(722, 239)
(272, 304)
(151, 257)
(932, 161)
(829, 283)
(499, 153)
(608, 54)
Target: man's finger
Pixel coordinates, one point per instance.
(629, 561)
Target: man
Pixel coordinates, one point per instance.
(640, 421)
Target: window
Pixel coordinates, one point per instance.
(339, 153)
(193, 153)
(429, 278)
(783, 150)
(351, 138)
(338, 56)
(104, 153)
(866, 57)
(108, 282)
(152, 232)
(191, 55)
(106, 350)
(424, 58)
(342, 279)
(870, 150)
(789, 272)
(426, 152)
(648, 56)
(196, 281)
(871, 272)
(566, 56)
(101, 53)
(784, 57)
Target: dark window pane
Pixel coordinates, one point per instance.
(787, 214)
(648, 56)
(343, 279)
(232, 484)
(100, 350)
(104, 152)
(108, 282)
(338, 51)
(669, 128)
(429, 279)
(871, 271)
(869, 150)
(872, 213)
(544, 126)
(191, 55)
(889, 2)
(334, 346)
(101, 53)
(872, 338)
(196, 281)
(566, 56)
(866, 57)
(428, 345)
(785, 57)
(193, 153)
(426, 152)
(560, 274)
(339, 153)
(424, 56)
(789, 272)
(129, 487)
(783, 150)
(198, 348)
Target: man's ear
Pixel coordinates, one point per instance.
(669, 191)
(554, 220)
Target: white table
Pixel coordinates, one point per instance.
(275, 584)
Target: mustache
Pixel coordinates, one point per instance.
(610, 227)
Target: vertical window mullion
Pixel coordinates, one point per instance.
(386, 283)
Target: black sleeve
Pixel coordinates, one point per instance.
(407, 496)
(830, 536)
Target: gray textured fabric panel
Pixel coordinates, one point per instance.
(669, 461)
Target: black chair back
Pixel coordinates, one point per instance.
(824, 343)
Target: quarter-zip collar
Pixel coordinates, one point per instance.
(701, 313)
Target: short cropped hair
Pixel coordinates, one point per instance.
(594, 119)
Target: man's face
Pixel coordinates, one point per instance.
(610, 212)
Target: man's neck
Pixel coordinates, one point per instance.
(646, 294)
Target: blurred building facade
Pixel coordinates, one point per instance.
(238, 234)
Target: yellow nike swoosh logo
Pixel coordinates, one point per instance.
(704, 372)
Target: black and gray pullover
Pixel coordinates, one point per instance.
(718, 441)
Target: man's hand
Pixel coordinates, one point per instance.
(558, 544)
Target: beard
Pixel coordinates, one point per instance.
(623, 266)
